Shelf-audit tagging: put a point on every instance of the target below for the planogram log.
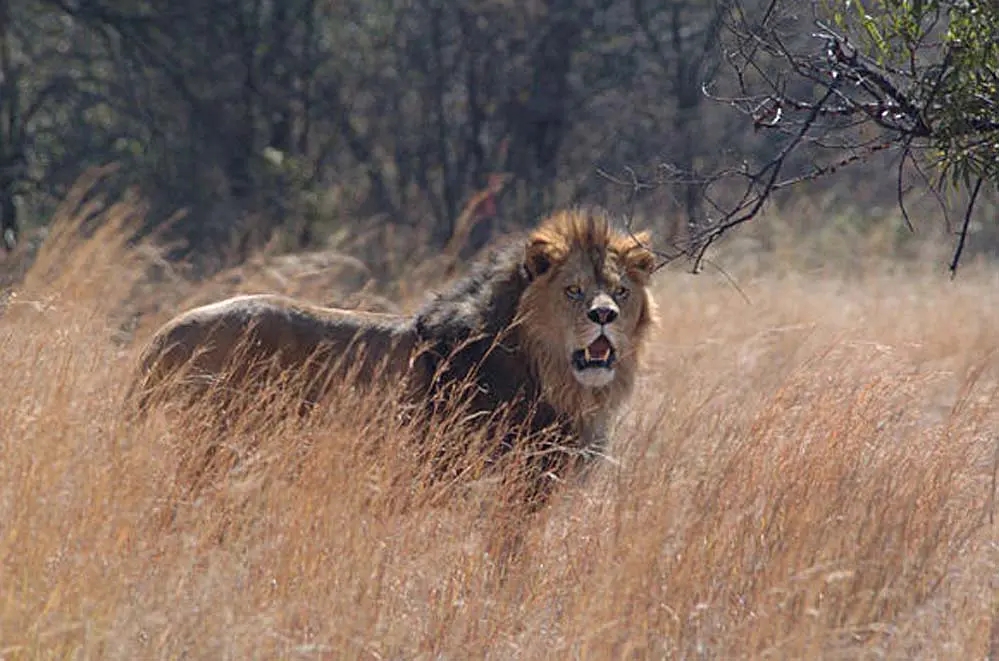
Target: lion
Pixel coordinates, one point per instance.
(541, 341)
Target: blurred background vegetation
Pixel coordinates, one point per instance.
(407, 126)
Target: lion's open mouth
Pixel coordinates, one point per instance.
(599, 353)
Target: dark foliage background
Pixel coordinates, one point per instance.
(309, 123)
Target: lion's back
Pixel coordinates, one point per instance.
(243, 336)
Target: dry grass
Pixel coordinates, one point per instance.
(806, 476)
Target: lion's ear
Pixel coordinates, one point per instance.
(639, 256)
(540, 255)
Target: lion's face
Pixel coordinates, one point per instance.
(588, 300)
(601, 316)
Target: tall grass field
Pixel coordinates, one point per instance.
(806, 471)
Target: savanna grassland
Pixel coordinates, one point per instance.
(804, 474)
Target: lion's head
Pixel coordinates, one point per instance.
(587, 307)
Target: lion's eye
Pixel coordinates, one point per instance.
(621, 293)
(574, 292)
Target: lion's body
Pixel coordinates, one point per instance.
(505, 340)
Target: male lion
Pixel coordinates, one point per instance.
(540, 341)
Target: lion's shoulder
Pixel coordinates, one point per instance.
(463, 331)
(481, 303)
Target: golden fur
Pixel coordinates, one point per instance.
(542, 339)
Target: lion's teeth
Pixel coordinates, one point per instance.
(586, 354)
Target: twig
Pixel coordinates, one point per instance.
(730, 279)
(899, 191)
(964, 227)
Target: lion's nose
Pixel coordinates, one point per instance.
(602, 314)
